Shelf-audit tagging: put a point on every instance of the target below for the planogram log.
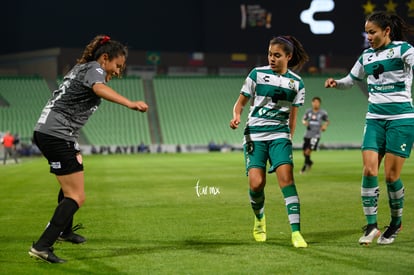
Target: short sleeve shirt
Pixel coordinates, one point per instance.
(272, 96)
(72, 103)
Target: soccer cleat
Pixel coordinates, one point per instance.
(306, 167)
(390, 234)
(309, 165)
(259, 229)
(45, 255)
(370, 232)
(73, 237)
(298, 241)
(303, 169)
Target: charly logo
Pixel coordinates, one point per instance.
(318, 26)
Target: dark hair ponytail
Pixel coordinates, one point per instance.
(292, 46)
(102, 44)
(399, 28)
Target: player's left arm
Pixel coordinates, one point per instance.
(292, 120)
(237, 110)
(299, 100)
(407, 55)
(325, 125)
(109, 94)
(325, 122)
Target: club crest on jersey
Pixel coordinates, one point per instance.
(99, 70)
(390, 53)
(291, 84)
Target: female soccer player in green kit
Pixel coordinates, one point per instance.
(275, 93)
(389, 128)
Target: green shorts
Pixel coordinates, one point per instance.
(389, 136)
(257, 153)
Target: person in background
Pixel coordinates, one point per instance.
(316, 121)
(8, 142)
(389, 123)
(57, 130)
(275, 92)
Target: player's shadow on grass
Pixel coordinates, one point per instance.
(137, 248)
(330, 236)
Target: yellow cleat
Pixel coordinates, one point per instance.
(298, 241)
(259, 230)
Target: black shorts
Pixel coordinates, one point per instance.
(63, 156)
(310, 143)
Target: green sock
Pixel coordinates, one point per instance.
(396, 200)
(369, 195)
(257, 200)
(292, 206)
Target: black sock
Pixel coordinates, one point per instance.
(61, 196)
(307, 160)
(68, 228)
(371, 226)
(63, 214)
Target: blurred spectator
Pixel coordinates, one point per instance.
(159, 148)
(142, 148)
(213, 147)
(8, 143)
(16, 141)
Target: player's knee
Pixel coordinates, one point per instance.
(80, 199)
(285, 180)
(257, 182)
(370, 171)
(391, 176)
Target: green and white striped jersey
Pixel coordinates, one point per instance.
(272, 96)
(389, 73)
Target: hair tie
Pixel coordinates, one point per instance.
(105, 39)
(286, 40)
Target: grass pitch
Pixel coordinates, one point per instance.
(190, 214)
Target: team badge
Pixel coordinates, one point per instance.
(291, 84)
(390, 53)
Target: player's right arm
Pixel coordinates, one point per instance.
(343, 83)
(305, 119)
(330, 83)
(357, 74)
(237, 110)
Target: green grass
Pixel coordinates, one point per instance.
(143, 216)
